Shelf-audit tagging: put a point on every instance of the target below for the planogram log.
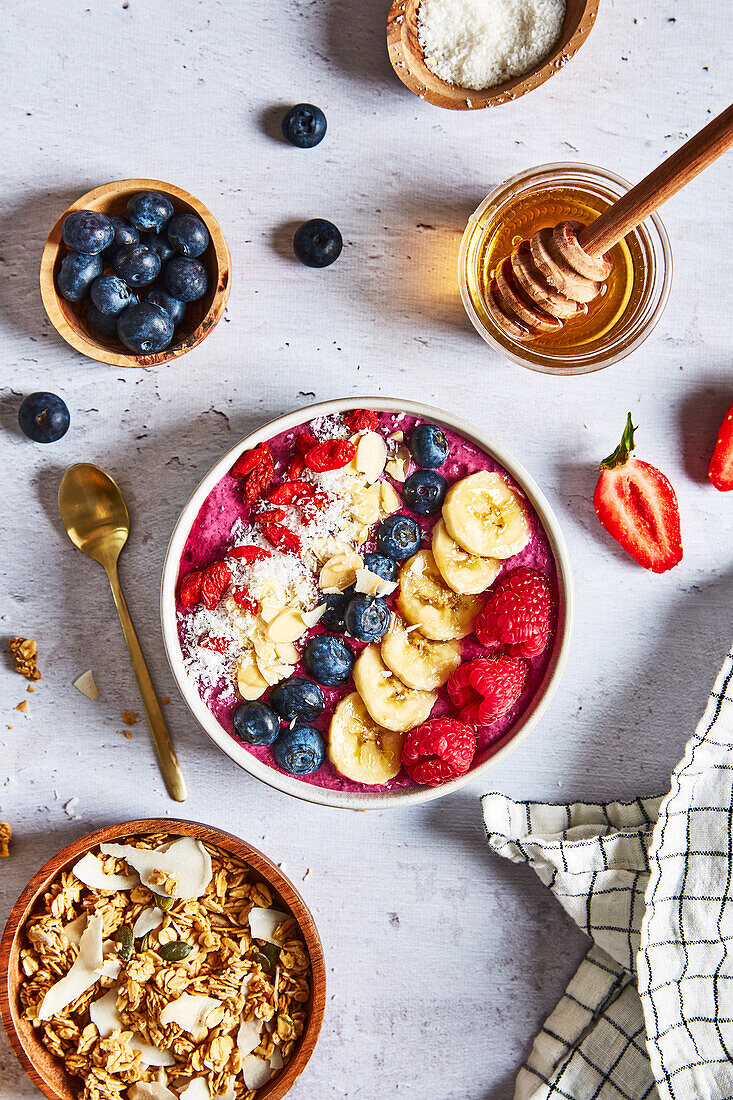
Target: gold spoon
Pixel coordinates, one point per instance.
(96, 519)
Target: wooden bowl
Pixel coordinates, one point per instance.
(408, 61)
(69, 318)
(46, 1071)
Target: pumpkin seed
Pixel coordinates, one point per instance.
(175, 951)
(164, 903)
(268, 956)
(125, 939)
(145, 943)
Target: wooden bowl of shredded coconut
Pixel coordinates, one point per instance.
(466, 54)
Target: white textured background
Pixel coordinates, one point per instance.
(442, 960)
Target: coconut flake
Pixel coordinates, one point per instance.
(186, 859)
(310, 618)
(189, 1012)
(150, 1090)
(90, 871)
(371, 584)
(256, 1071)
(197, 1090)
(85, 684)
(248, 1036)
(152, 1056)
(111, 968)
(82, 975)
(276, 1060)
(104, 1015)
(74, 929)
(148, 921)
(263, 922)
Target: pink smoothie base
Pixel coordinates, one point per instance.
(210, 538)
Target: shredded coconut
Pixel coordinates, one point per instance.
(480, 43)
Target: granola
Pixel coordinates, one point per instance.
(200, 1004)
(5, 836)
(24, 653)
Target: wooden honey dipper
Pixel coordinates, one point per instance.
(552, 277)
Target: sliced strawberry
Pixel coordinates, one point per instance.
(720, 470)
(214, 582)
(637, 505)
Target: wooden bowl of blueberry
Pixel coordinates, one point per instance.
(135, 273)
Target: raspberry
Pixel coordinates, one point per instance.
(305, 441)
(438, 750)
(272, 515)
(517, 614)
(332, 454)
(243, 599)
(484, 689)
(282, 538)
(248, 554)
(362, 420)
(213, 583)
(219, 645)
(190, 591)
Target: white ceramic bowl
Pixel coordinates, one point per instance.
(379, 800)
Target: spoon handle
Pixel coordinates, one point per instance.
(172, 773)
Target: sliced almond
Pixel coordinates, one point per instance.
(86, 685)
(310, 618)
(250, 683)
(339, 572)
(398, 436)
(365, 505)
(287, 626)
(287, 653)
(399, 463)
(371, 455)
(389, 502)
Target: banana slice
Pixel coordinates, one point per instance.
(425, 600)
(485, 516)
(359, 748)
(419, 663)
(389, 702)
(465, 573)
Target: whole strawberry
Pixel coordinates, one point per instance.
(438, 750)
(637, 505)
(518, 614)
(485, 689)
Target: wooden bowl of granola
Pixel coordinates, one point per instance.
(285, 972)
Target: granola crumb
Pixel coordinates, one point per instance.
(86, 685)
(129, 717)
(23, 706)
(165, 701)
(126, 733)
(24, 653)
(5, 836)
(30, 689)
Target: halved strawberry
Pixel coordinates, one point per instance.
(637, 505)
(720, 470)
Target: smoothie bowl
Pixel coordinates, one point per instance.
(367, 604)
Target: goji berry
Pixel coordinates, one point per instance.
(272, 515)
(190, 591)
(243, 599)
(258, 482)
(291, 491)
(362, 420)
(219, 645)
(296, 467)
(305, 442)
(250, 460)
(213, 583)
(248, 554)
(282, 538)
(332, 454)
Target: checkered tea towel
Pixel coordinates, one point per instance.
(649, 1013)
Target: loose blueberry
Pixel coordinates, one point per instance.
(297, 698)
(44, 417)
(304, 125)
(328, 660)
(87, 231)
(145, 328)
(188, 235)
(255, 724)
(367, 618)
(175, 309)
(158, 242)
(317, 243)
(398, 537)
(424, 492)
(300, 750)
(110, 294)
(333, 617)
(149, 211)
(104, 324)
(76, 274)
(185, 278)
(428, 445)
(124, 232)
(136, 264)
(383, 566)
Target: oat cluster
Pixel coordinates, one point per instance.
(24, 653)
(250, 980)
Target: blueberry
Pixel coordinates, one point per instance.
(158, 243)
(333, 617)
(398, 537)
(304, 125)
(76, 274)
(188, 235)
(428, 445)
(329, 660)
(300, 750)
(175, 309)
(297, 698)
(87, 231)
(255, 724)
(381, 565)
(124, 232)
(136, 264)
(110, 294)
(424, 492)
(103, 323)
(44, 417)
(149, 211)
(185, 278)
(317, 243)
(367, 618)
(145, 328)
